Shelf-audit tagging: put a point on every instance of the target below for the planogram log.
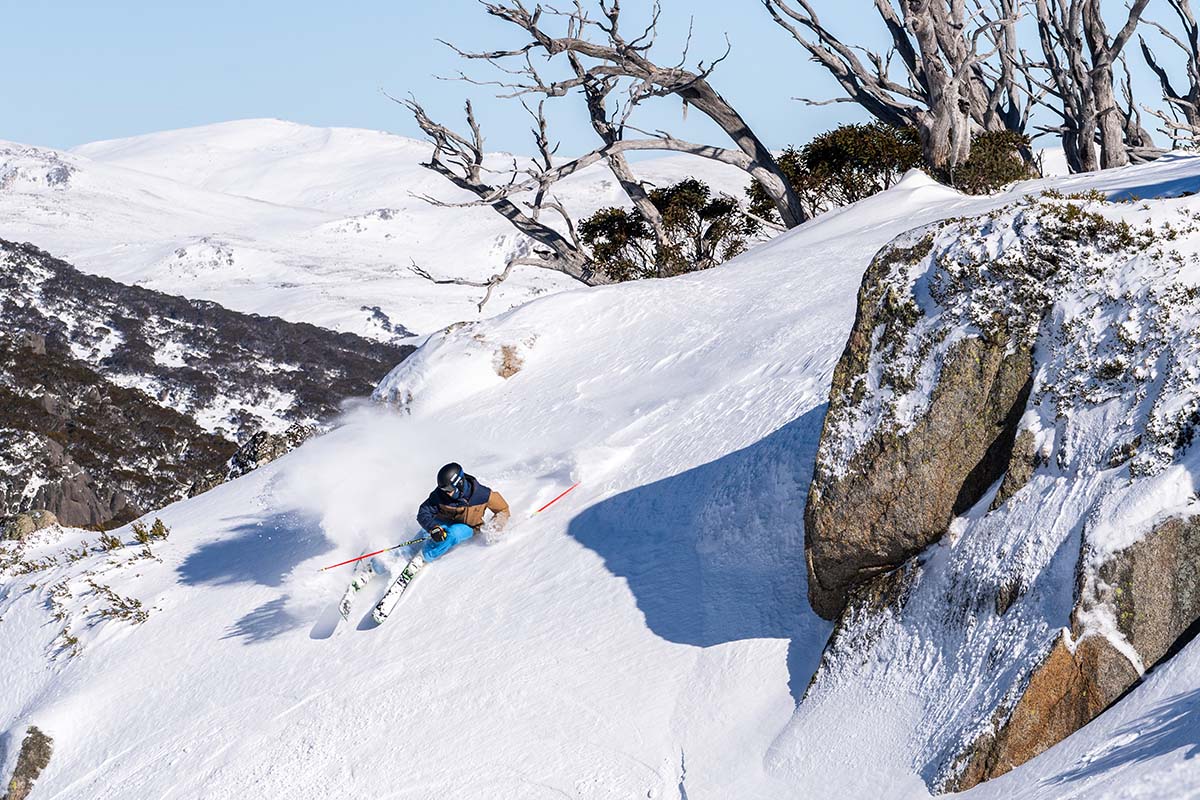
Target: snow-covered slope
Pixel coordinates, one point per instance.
(315, 225)
(647, 636)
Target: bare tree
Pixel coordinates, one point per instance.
(959, 69)
(1182, 119)
(461, 160)
(1078, 58)
(600, 56)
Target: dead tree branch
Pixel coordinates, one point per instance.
(1078, 58)
(960, 69)
(598, 52)
(1181, 120)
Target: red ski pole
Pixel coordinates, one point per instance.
(377, 552)
(555, 500)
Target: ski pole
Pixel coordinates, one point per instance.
(555, 500)
(377, 552)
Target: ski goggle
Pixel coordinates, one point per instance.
(454, 487)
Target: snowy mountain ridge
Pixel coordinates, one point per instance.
(647, 636)
(317, 225)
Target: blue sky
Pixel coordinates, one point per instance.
(73, 72)
(83, 71)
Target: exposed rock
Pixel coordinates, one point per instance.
(33, 758)
(924, 416)
(1009, 591)
(1066, 691)
(19, 526)
(116, 400)
(264, 448)
(902, 490)
(508, 361)
(35, 342)
(1152, 589)
(1021, 464)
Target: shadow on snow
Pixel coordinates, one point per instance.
(716, 554)
(257, 550)
(264, 623)
(1168, 727)
(261, 551)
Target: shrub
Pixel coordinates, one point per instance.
(141, 534)
(842, 166)
(997, 159)
(159, 530)
(701, 231)
(109, 541)
(857, 161)
(852, 162)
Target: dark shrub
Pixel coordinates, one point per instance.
(998, 158)
(701, 231)
(843, 165)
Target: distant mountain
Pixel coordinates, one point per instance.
(309, 224)
(119, 399)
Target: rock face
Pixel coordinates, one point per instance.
(1152, 590)
(116, 400)
(19, 526)
(901, 489)
(1066, 692)
(264, 448)
(33, 758)
(1016, 404)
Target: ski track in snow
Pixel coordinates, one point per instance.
(658, 610)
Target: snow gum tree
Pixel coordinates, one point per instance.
(587, 51)
(951, 72)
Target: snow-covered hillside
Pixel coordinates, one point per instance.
(315, 225)
(647, 636)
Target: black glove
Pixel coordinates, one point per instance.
(438, 534)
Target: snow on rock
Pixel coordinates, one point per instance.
(1099, 303)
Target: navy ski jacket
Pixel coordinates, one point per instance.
(441, 509)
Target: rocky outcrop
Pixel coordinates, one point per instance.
(116, 400)
(19, 526)
(937, 401)
(1152, 590)
(264, 448)
(1070, 687)
(1022, 461)
(34, 757)
(900, 489)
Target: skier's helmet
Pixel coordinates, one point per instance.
(450, 479)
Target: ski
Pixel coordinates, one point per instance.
(362, 576)
(390, 598)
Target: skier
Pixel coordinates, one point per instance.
(454, 511)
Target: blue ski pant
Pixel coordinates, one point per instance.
(456, 533)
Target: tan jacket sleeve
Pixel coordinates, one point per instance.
(499, 508)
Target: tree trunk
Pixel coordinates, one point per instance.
(705, 98)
